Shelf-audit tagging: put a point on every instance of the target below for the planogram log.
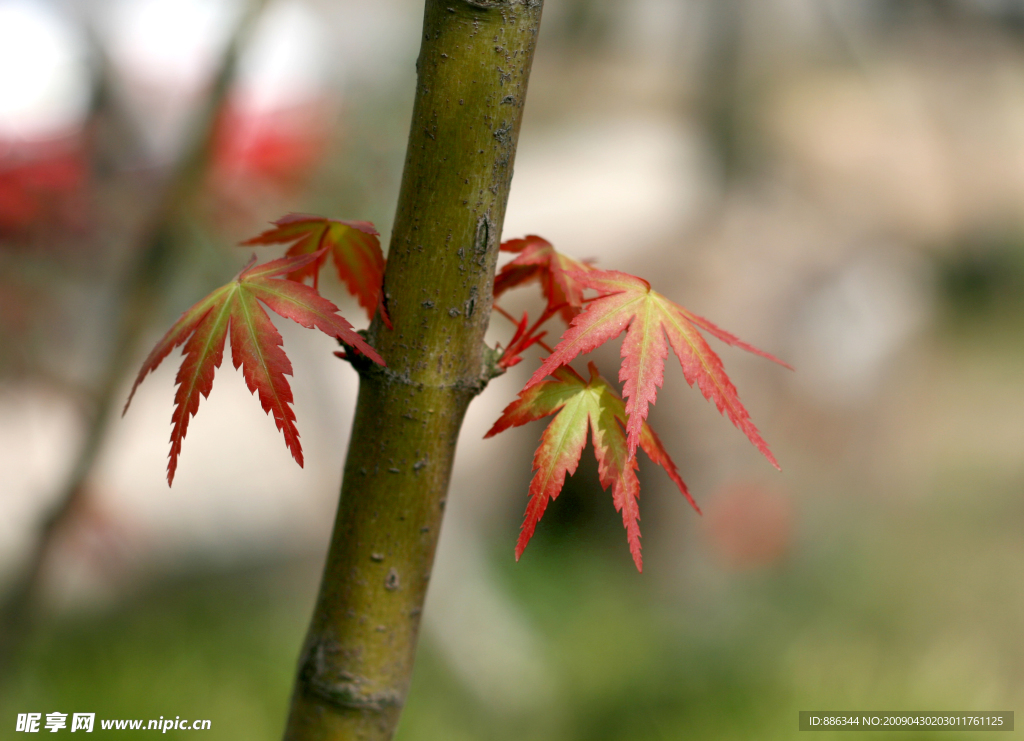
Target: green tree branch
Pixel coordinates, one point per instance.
(356, 664)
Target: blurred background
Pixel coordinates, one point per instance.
(839, 183)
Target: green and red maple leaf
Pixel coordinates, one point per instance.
(580, 405)
(234, 309)
(652, 324)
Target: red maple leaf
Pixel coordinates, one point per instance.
(581, 404)
(354, 245)
(538, 260)
(627, 303)
(255, 344)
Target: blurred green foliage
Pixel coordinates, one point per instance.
(892, 605)
(982, 280)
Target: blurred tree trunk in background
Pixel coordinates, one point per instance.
(356, 664)
(721, 93)
(137, 294)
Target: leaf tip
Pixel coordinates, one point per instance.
(634, 551)
(761, 445)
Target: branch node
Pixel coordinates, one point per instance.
(490, 368)
(344, 691)
(367, 369)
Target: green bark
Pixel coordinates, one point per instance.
(357, 660)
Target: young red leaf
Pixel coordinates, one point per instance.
(538, 260)
(255, 344)
(354, 246)
(581, 405)
(521, 341)
(628, 304)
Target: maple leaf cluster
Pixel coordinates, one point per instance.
(616, 423)
(255, 342)
(653, 324)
